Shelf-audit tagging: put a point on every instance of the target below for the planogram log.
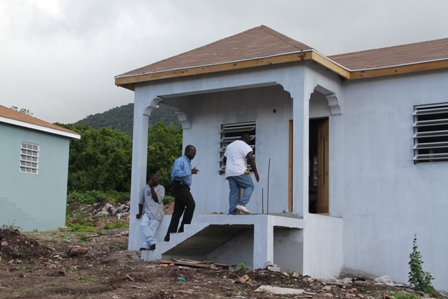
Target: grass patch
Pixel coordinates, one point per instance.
(116, 225)
(403, 296)
(82, 237)
(76, 227)
(168, 199)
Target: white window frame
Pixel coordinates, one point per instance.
(29, 158)
(430, 133)
(232, 132)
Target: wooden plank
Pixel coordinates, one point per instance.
(405, 69)
(329, 64)
(192, 71)
(290, 167)
(130, 81)
(194, 265)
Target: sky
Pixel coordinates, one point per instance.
(58, 58)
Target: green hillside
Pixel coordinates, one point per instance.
(121, 118)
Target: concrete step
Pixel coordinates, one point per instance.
(175, 239)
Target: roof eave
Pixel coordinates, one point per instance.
(129, 81)
(39, 128)
(414, 67)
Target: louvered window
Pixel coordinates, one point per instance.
(431, 133)
(232, 132)
(29, 158)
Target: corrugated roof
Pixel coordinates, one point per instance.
(31, 120)
(254, 43)
(393, 56)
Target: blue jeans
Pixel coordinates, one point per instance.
(235, 183)
(149, 228)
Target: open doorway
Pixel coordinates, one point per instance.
(319, 162)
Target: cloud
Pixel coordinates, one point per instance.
(59, 58)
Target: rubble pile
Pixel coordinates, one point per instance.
(14, 245)
(102, 209)
(121, 210)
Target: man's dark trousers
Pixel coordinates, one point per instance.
(183, 204)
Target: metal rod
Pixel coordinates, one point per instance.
(267, 199)
(262, 202)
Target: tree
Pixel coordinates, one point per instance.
(22, 110)
(164, 146)
(101, 160)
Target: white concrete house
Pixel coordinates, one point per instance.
(352, 152)
(33, 171)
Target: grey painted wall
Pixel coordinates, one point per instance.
(208, 112)
(382, 196)
(377, 192)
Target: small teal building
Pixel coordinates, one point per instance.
(33, 171)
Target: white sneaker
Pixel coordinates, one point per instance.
(242, 209)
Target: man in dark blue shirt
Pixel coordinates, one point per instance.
(184, 204)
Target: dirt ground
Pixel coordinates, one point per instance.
(62, 264)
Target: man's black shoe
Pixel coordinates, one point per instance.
(167, 239)
(143, 248)
(152, 247)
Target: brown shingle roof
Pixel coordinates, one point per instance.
(393, 56)
(254, 43)
(263, 46)
(24, 118)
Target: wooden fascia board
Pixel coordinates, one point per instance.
(329, 64)
(396, 70)
(129, 81)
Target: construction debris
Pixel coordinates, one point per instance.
(196, 264)
(279, 291)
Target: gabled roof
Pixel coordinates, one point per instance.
(16, 118)
(262, 46)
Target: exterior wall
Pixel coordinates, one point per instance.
(383, 198)
(33, 201)
(208, 112)
(323, 244)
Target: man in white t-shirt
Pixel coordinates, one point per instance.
(236, 157)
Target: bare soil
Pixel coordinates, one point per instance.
(61, 264)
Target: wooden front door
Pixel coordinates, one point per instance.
(322, 168)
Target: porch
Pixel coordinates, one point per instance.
(311, 245)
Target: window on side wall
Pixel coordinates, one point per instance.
(29, 158)
(232, 132)
(431, 133)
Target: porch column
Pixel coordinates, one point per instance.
(263, 243)
(300, 105)
(142, 110)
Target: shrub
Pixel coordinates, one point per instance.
(241, 267)
(419, 279)
(93, 196)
